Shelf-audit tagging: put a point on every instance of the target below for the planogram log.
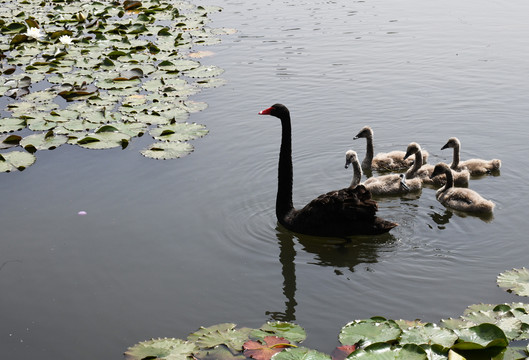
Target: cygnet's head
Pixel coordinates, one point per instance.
(439, 169)
(366, 132)
(350, 158)
(453, 142)
(413, 148)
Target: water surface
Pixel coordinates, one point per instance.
(168, 246)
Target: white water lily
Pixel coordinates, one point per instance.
(65, 40)
(34, 33)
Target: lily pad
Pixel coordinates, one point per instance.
(285, 330)
(104, 140)
(179, 132)
(369, 331)
(515, 280)
(44, 141)
(11, 124)
(167, 150)
(161, 349)
(15, 160)
(428, 334)
(383, 351)
(7, 141)
(204, 72)
(481, 337)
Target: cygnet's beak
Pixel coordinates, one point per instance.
(347, 163)
(445, 146)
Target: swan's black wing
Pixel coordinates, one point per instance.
(348, 211)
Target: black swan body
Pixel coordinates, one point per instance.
(345, 212)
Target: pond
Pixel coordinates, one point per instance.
(168, 246)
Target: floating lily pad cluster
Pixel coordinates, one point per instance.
(483, 332)
(98, 74)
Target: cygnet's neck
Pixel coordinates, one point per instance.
(357, 174)
(370, 153)
(417, 163)
(449, 180)
(455, 161)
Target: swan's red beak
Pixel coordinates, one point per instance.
(265, 111)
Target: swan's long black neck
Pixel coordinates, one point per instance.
(285, 174)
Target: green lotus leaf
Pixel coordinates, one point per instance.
(178, 65)
(104, 140)
(37, 122)
(15, 160)
(23, 108)
(102, 116)
(204, 72)
(206, 330)
(8, 141)
(73, 79)
(435, 351)
(131, 129)
(480, 337)
(218, 353)
(11, 124)
(116, 84)
(78, 125)
(384, 351)
(478, 307)
(62, 115)
(210, 83)
(14, 28)
(42, 96)
(194, 106)
(428, 334)
(300, 353)
(134, 100)
(161, 349)
(179, 132)
(369, 331)
(515, 280)
(44, 141)
(149, 119)
(232, 338)
(506, 321)
(408, 324)
(453, 324)
(167, 150)
(289, 331)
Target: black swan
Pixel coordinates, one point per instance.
(345, 212)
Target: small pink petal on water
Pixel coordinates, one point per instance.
(81, 213)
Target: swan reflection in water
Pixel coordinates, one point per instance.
(329, 252)
(441, 218)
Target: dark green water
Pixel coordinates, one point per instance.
(167, 246)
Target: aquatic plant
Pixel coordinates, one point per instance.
(484, 331)
(100, 74)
